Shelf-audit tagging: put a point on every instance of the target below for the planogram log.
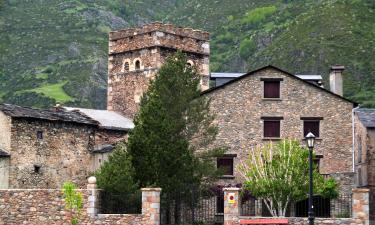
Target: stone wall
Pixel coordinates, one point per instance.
(360, 153)
(5, 126)
(239, 106)
(150, 45)
(360, 209)
(4, 172)
(156, 34)
(104, 137)
(62, 154)
(46, 206)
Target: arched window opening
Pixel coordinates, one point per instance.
(137, 65)
(126, 67)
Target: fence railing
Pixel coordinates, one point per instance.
(192, 208)
(340, 207)
(115, 203)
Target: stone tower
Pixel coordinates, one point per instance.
(136, 54)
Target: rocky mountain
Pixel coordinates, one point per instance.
(56, 51)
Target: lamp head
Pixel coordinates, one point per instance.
(310, 140)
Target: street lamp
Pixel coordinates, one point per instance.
(310, 140)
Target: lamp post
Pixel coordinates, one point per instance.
(310, 139)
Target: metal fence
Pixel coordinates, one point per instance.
(118, 203)
(193, 207)
(340, 207)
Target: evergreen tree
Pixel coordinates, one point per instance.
(173, 129)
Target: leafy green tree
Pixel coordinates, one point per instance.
(73, 201)
(173, 129)
(279, 174)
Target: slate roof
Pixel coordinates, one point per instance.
(367, 117)
(61, 115)
(106, 119)
(235, 75)
(283, 71)
(309, 77)
(3, 153)
(226, 75)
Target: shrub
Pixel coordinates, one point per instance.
(247, 48)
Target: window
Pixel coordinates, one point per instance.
(271, 87)
(316, 161)
(137, 65)
(225, 164)
(271, 127)
(126, 67)
(37, 168)
(39, 135)
(311, 126)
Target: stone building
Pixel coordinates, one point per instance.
(269, 104)
(136, 54)
(44, 148)
(364, 148)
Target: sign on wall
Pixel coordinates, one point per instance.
(231, 199)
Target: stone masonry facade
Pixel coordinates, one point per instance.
(136, 54)
(239, 107)
(63, 153)
(45, 154)
(46, 206)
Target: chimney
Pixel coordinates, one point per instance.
(335, 79)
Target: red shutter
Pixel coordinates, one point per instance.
(271, 128)
(271, 89)
(311, 126)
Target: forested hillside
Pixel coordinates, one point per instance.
(56, 51)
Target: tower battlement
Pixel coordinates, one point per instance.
(159, 35)
(158, 26)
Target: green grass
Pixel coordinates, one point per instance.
(42, 76)
(54, 91)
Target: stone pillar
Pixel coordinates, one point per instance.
(151, 205)
(361, 209)
(92, 207)
(231, 206)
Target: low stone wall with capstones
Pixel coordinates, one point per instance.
(46, 206)
(360, 210)
(317, 221)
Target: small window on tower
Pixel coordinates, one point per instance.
(39, 134)
(126, 67)
(137, 65)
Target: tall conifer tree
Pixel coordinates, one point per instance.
(173, 131)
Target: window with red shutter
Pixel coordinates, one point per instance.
(311, 126)
(271, 128)
(225, 164)
(271, 89)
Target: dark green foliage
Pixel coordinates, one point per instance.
(299, 36)
(116, 174)
(172, 125)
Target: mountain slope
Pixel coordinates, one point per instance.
(56, 51)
